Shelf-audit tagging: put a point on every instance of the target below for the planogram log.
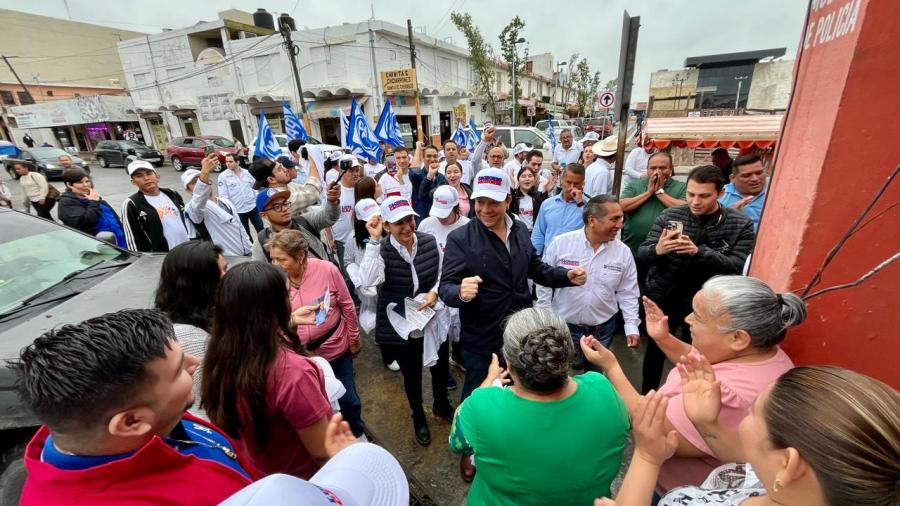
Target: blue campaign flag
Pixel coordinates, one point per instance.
(293, 125)
(265, 145)
(473, 138)
(552, 134)
(360, 136)
(459, 136)
(388, 130)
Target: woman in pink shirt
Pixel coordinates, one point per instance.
(336, 337)
(258, 382)
(737, 323)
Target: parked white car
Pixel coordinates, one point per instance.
(510, 136)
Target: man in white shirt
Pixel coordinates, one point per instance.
(153, 217)
(373, 167)
(236, 185)
(342, 231)
(215, 214)
(636, 164)
(567, 151)
(611, 278)
(451, 154)
(598, 176)
(513, 166)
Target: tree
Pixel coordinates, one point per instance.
(585, 85)
(508, 37)
(571, 69)
(480, 55)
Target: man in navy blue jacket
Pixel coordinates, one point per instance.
(485, 274)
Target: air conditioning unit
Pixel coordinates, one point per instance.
(246, 35)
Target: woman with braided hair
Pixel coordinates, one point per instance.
(544, 437)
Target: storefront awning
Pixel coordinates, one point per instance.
(260, 99)
(714, 131)
(331, 108)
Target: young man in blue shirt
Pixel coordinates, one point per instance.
(747, 190)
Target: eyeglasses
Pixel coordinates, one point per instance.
(279, 206)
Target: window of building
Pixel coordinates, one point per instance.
(263, 67)
(499, 79)
(25, 98)
(7, 97)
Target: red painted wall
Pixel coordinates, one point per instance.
(840, 143)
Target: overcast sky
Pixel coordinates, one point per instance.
(671, 30)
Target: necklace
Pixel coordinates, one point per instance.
(212, 444)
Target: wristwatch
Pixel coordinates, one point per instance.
(660, 191)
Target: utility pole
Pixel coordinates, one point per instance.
(375, 82)
(293, 50)
(11, 69)
(628, 48)
(515, 102)
(412, 58)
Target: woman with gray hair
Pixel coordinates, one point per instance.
(737, 323)
(549, 438)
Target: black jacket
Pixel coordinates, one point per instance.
(398, 282)
(80, 213)
(473, 250)
(724, 243)
(143, 229)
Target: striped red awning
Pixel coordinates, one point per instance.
(714, 131)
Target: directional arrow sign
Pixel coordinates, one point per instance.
(607, 99)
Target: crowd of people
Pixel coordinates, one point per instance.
(239, 384)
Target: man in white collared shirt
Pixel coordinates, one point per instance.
(567, 151)
(611, 277)
(236, 185)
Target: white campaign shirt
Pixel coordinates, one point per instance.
(391, 185)
(566, 156)
(635, 165)
(343, 229)
(370, 170)
(611, 282)
(597, 178)
(433, 226)
(468, 172)
(238, 189)
(526, 211)
(173, 228)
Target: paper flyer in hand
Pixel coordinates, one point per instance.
(324, 303)
(417, 318)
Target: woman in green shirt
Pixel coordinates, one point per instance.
(549, 438)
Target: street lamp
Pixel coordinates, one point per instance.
(559, 66)
(515, 102)
(737, 98)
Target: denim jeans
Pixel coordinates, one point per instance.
(351, 406)
(477, 366)
(251, 217)
(603, 332)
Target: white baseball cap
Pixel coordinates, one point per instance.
(491, 183)
(590, 137)
(366, 208)
(396, 208)
(138, 165)
(354, 161)
(188, 176)
(520, 148)
(445, 199)
(360, 475)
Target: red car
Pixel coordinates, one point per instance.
(189, 151)
(602, 126)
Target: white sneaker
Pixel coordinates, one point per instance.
(394, 366)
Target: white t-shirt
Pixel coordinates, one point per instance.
(370, 170)
(391, 185)
(433, 226)
(343, 229)
(173, 226)
(526, 210)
